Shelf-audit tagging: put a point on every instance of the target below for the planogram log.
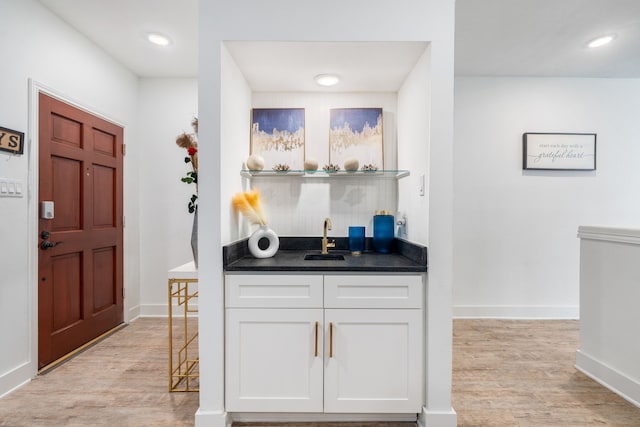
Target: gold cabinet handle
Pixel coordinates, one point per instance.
(330, 339)
(316, 352)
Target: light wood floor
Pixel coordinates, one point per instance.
(521, 373)
(506, 373)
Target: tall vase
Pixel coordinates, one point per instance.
(194, 238)
(270, 250)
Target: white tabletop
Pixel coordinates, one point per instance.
(185, 271)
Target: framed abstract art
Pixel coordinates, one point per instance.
(356, 133)
(277, 134)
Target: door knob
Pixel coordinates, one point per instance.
(48, 245)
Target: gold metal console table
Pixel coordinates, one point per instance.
(183, 330)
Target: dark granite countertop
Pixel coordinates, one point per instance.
(405, 257)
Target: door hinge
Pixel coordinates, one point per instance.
(123, 292)
(124, 149)
(123, 222)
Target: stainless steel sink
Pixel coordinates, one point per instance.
(324, 257)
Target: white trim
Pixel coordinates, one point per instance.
(67, 100)
(153, 310)
(281, 417)
(161, 310)
(516, 311)
(437, 418)
(610, 234)
(32, 227)
(212, 419)
(616, 381)
(15, 378)
(134, 313)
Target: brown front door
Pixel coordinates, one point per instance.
(80, 232)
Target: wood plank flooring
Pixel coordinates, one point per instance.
(521, 373)
(121, 381)
(506, 373)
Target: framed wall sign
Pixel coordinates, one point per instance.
(559, 151)
(11, 141)
(356, 133)
(277, 134)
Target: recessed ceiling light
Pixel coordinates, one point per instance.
(601, 41)
(326, 79)
(158, 39)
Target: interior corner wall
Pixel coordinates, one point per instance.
(236, 98)
(414, 113)
(165, 110)
(516, 253)
(80, 72)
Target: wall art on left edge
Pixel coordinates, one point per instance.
(277, 134)
(11, 141)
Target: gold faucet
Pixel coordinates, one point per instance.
(326, 244)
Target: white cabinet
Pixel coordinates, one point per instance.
(271, 360)
(375, 361)
(332, 343)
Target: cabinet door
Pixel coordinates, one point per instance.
(373, 360)
(271, 360)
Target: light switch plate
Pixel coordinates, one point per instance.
(10, 187)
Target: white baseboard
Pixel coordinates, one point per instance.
(15, 378)
(280, 417)
(516, 312)
(161, 310)
(132, 314)
(616, 381)
(212, 419)
(437, 419)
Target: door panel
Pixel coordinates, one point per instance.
(104, 263)
(80, 271)
(104, 143)
(66, 131)
(67, 290)
(66, 180)
(103, 206)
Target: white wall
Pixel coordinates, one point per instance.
(37, 45)
(609, 294)
(236, 98)
(515, 247)
(414, 120)
(298, 207)
(166, 107)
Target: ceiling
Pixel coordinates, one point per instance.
(291, 66)
(547, 38)
(493, 38)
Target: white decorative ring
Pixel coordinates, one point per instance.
(264, 232)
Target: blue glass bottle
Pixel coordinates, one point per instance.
(383, 231)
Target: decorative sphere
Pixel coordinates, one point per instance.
(351, 165)
(310, 164)
(255, 162)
